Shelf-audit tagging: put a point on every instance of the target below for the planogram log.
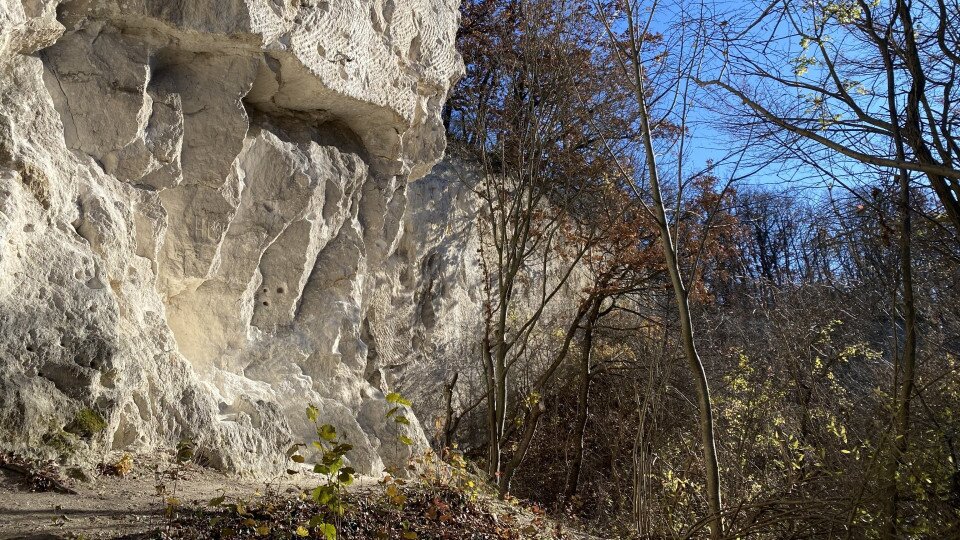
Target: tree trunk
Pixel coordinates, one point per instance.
(583, 398)
(905, 369)
(493, 446)
(532, 419)
(449, 426)
(712, 469)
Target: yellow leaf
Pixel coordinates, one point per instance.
(302, 531)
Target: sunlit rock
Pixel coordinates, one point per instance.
(201, 206)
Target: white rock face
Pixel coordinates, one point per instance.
(202, 220)
(430, 320)
(442, 279)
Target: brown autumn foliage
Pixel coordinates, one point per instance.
(797, 295)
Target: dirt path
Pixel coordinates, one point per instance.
(109, 507)
(112, 507)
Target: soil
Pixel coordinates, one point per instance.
(105, 506)
(113, 507)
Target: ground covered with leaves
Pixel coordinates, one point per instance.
(427, 512)
(33, 475)
(143, 497)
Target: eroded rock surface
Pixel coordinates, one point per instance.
(202, 220)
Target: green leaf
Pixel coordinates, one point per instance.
(342, 449)
(327, 432)
(331, 458)
(401, 419)
(238, 508)
(297, 458)
(216, 501)
(323, 494)
(312, 413)
(405, 440)
(395, 397)
(329, 531)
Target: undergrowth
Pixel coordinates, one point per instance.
(431, 498)
(429, 512)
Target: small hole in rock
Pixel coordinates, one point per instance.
(280, 290)
(266, 303)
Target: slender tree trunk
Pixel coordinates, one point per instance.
(708, 440)
(711, 465)
(499, 408)
(531, 421)
(499, 366)
(449, 425)
(583, 399)
(493, 447)
(905, 369)
(640, 474)
(501, 399)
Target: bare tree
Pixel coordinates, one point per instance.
(631, 53)
(873, 82)
(517, 113)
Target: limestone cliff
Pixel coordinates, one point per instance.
(202, 220)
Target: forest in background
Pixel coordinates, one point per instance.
(721, 251)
